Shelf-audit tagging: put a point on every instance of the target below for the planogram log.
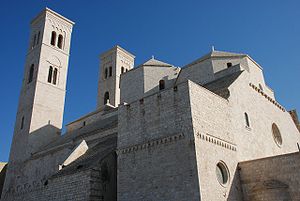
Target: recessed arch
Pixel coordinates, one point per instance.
(53, 38)
(106, 97)
(60, 41)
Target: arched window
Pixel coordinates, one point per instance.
(53, 38)
(22, 123)
(60, 41)
(247, 120)
(122, 70)
(110, 71)
(50, 74)
(31, 70)
(38, 38)
(229, 64)
(55, 76)
(276, 134)
(106, 73)
(161, 84)
(106, 97)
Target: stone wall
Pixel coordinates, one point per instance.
(275, 178)
(156, 153)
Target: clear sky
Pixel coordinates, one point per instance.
(174, 31)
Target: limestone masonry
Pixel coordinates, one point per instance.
(211, 130)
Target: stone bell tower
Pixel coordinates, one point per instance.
(41, 102)
(114, 62)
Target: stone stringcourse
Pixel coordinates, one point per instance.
(152, 143)
(267, 97)
(217, 141)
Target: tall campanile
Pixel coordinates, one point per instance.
(41, 102)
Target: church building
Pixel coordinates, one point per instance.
(211, 130)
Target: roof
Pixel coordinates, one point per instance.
(214, 54)
(72, 136)
(220, 86)
(155, 62)
(92, 157)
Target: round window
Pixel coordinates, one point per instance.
(222, 173)
(276, 134)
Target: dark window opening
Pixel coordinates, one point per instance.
(126, 70)
(106, 97)
(53, 38)
(247, 120)
(50, 74)
(161, 84)
(22, 123)
(60, 41)
(122, 70)
(55, 76)
(229, 65)
(106, 73)
(30, 77)
(110, 71)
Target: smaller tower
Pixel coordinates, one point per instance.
(113, 63)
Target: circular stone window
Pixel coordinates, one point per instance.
(276, 134)
(222, 173)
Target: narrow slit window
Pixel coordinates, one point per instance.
(110, 71)
(161, 84)
(50, 74)
(53, 38)
(122, 70)
(247, 120)
(31, 71)
(55, 76)
(60, 41)
(22, 123)
(106, 97)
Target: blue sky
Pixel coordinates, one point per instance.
(174, 31)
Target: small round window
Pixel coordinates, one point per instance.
(222, 173)
(276, 134)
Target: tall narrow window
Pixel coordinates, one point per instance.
(53, 38)
(161, 84)
(38, 38)
(31, 70)
(50, 74)
(22, 123)
(106, 73)
(247, 120)
(106, 97)
(110, 71)
(60, 41)
(55, 76)
(122, 70)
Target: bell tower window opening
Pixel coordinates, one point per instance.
(106, 97)
(60, 41)
(161, 84)
(50, 74)
(110, 71)
(31, 71)
(55, 76)
(53, 38)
